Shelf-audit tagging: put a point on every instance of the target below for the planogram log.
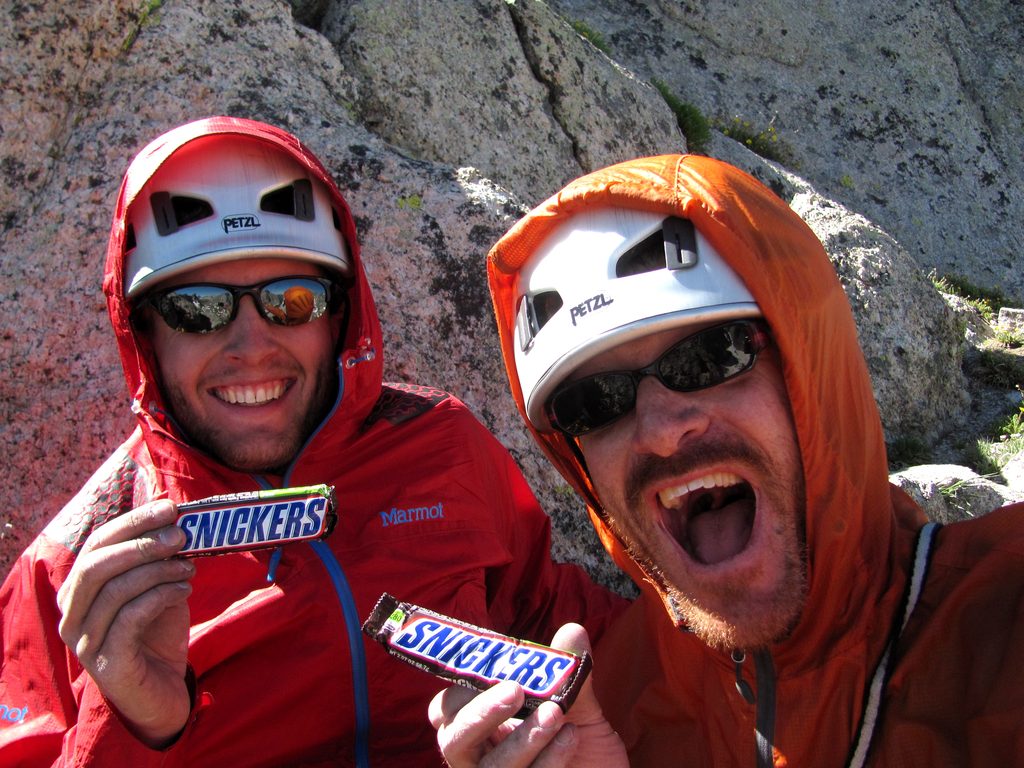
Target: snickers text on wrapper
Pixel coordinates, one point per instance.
(256, 519)
(473, 657)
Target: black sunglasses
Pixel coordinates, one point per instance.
(207, 307)
(702, 360)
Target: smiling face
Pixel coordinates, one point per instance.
(251, 393)
(705, 490)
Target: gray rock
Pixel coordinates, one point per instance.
(1011, 319)
(949, 493)
(505, 87)
(1013, 473)
(910, 114)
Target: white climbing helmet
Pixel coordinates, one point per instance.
(605, 277)
(224, 197)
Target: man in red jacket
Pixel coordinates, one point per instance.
(252, 351)
(680, 346)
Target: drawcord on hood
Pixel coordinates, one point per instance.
(918, 574)
(764, 721)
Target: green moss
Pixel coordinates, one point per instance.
(691, 120)
(987, 301)
(762, 141)
(1000, 368)
(594, 37)
(147, 15)
(907, 451)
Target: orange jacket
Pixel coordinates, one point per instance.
(955, 691)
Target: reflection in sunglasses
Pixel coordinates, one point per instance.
(702, 360)
(203, 308)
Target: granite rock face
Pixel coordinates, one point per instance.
(441, 123)
(911, 114)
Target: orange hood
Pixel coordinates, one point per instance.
(851, 514)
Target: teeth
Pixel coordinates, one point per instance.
(672, 497)
(250, 395)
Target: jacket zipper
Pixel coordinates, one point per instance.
(764, 701)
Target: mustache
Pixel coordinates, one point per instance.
(648, 469)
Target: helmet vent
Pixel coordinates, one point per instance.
(673, 247)
(545, 305)
(534, 313)
(295, 199)
(646, 256)
(173, 212)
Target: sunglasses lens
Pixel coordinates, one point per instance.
(699, 361)
(708, 358)
(593, 402)
(293, 301)
(195, 308)
(205, 308)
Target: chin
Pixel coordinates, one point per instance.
(732, 615)
(269, 459)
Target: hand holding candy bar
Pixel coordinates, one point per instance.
(478, 729)
(126, 618)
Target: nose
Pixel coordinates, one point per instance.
(250, 335)
(665, 419)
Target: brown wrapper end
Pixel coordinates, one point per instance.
(238, 522)
(474, 657)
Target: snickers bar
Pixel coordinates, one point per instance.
(256, 519)
(473, 657)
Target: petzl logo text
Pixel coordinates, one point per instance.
(240, 223)
(592, 304)
(396, 516)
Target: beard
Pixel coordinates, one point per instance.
(257, 456)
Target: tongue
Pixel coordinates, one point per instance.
(719, 534)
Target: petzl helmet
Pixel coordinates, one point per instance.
(224, 197)
(605, 277)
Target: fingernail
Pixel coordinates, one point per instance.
(549, 717)
(171, 535)
(509, 691)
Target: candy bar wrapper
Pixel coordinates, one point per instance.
(256, 519)
(474, 657)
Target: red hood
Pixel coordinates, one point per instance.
(182, 470)
(851, 515)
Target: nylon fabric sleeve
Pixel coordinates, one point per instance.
(61, 717)
(532, 595)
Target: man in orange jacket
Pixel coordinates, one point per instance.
(681, 348)
(253, 355)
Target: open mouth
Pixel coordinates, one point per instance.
(251, 395)
(711, 517)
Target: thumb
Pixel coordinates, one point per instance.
(586, 709)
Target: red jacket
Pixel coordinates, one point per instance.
(954, 692)
(432, 509)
